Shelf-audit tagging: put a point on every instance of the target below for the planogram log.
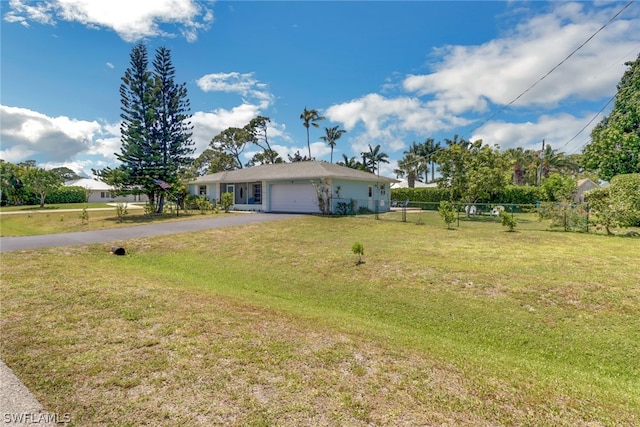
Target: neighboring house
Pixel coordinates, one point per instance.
(292, 187)
(101, 192)
(583, 186)
(405, 184)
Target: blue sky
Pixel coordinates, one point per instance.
(389, 73)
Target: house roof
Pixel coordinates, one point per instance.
(292, 171)
(405, 184)
(90, 184)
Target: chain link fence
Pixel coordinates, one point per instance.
(544, 216)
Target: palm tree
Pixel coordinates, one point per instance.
(430, 149)
(310, 117)
(332, 135)
(556, 161)
(350, 162)
(373, 158)
(409, 166)
(420, 159)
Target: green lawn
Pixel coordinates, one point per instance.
(274, 324)
(55, 207)
(57, 219)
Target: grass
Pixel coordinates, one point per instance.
(274, 324)
(55, 207)
(54, 220)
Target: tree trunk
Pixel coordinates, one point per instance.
(160, 204)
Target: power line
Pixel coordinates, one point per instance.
(613, 18)
(590, 121)
(504, 107)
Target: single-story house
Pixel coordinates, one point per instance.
(100, 191)
(304, 187)
(583, 186)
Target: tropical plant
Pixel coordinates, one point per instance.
(409, 167)
(121, 211)
(615, 142)
(226, 201)
(350, 162)
(373, 158)
(40, 182)
(331, 136)
(358, 249)
(471, 171)
(508, 220)
(309, 118)
(625, 196)
(559, 188)
(447, 212)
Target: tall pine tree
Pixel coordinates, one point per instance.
(155, 130)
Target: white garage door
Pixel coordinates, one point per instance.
(294, 198)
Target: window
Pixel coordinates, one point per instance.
(257, 193)
(382, 190)
(105, 194)
(202, 190)
(370, 191)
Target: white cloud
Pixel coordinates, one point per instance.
(131, 20)
(209, 124)
(29, 135)
(502, 69)
(387, 121)
(558, 131)
(243, 84)
(469, 82)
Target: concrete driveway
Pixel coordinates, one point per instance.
(8, 244)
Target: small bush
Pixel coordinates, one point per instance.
(84, 216)
(121, 211)
(358, 249)
(447, 211)
(226, 201)
(508, 220)
(203, 204)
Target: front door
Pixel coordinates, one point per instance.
(231, 188)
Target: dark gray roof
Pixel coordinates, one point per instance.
(292, 171)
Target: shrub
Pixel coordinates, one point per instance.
(84, 216)
(625, 197)
(508, 220)
(447, 212)
(66, 195)
(203, 204)
(226, 201)
(428, 195)
(121, 211)
(518, 195)
(358, 249)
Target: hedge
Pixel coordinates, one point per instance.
(66, 195)
(511, 194)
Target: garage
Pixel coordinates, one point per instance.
(294, 198)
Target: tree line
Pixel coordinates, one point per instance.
(156, 146)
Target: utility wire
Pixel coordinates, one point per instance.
(504, 107)
(613, 18)
(590, 121)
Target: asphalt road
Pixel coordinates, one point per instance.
(8, 244)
